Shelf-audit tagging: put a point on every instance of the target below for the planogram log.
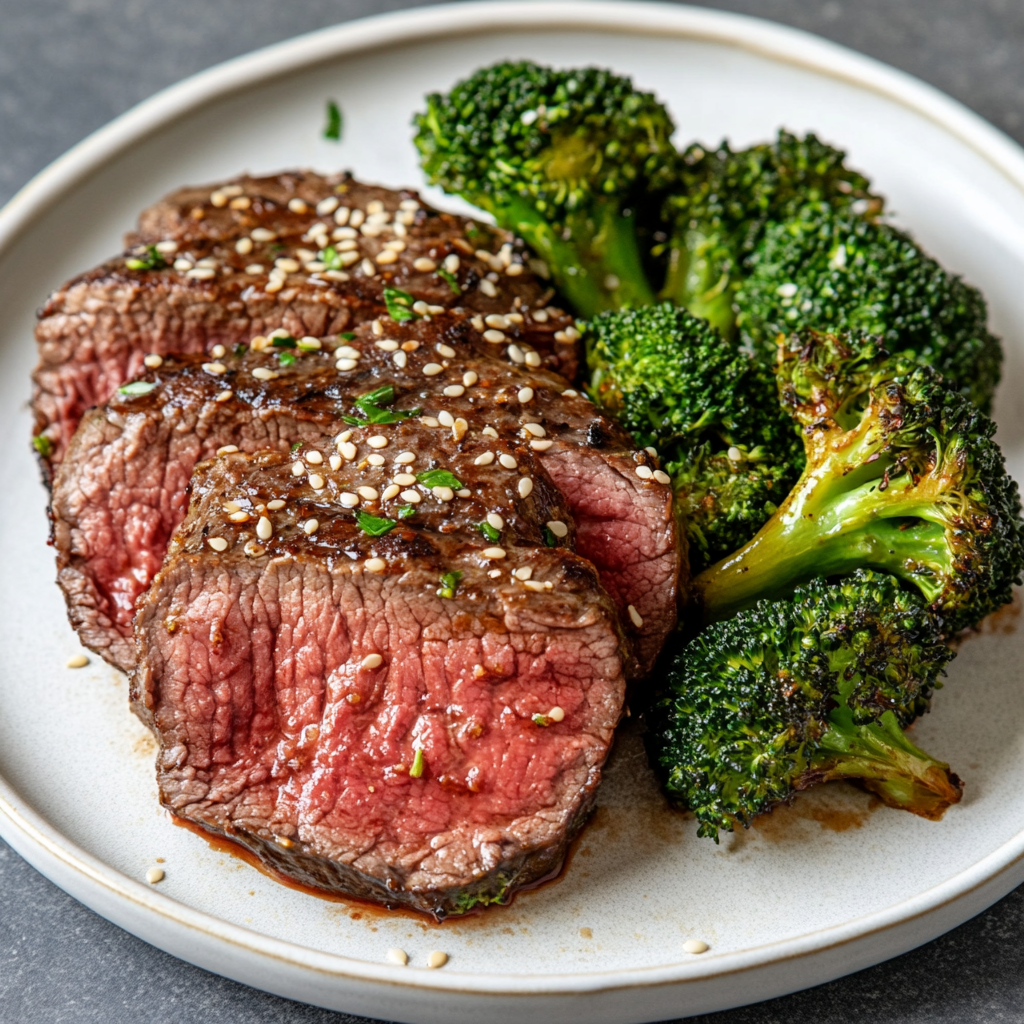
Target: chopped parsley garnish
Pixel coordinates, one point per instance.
(347, 336)
(332, 258)
(449, 584)
(489, 531)
(374, 526)
(399, 305)
(296, 446)
(404, 511)
(472, 229)
(152, 260)
(372, 408)
(440, 478)
(137, 387)
(332, 130)
(241, 348)
(284, 341)
(549, 538)
(417, 765)
(43, 445)
(541, 720)
(448, 276)
(286, 359)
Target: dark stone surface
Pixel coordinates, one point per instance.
(66, 68)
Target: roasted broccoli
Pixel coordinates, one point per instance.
(710, 410)
(902, 475)
(721, 202)
(560, 158)
(794, 692)
(826, 269)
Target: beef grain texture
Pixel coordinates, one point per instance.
(94, 332)
(119, 497)
(352, 722)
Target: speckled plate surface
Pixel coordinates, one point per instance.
(822, 888)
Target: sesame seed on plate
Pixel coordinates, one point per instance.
(400, 360)
(241, 516)
(695, 946)
(346, 364)
(432, 369)
(215, 368)
(390, 492)
(243, 246)
(276, 504)
(412, 497)
(445, 418)
(534, 429)
(558, 528)
(348, 352)
(424, 264)
(388, 345)
(556, 714)
(662, 477)
(485, 459)
(228, 449)
(310, 526)
(297, 205)
(372, 661)
(404, 479)
(348, 499)
(298, 469)
(525, 395)
(316, 481)
(445, 351)
(525, 487)
(368, 493)
(405, 458)
(378, 441)
(335, 461)
(153, 361)
(635, 617)
(454, 391)
(487, 287)
(264, 527)
(489, 431)
(375, 565)
(469, 378)
(155, 875)
(263, 373)
(375, 459)
(201, 273)
(536, 585)
(254, 268)
(348, 450)
(398, 956)
(367, 267)
(327, 206)
(288, 265)
(493, 553)
(507, 460)
(451, 263)
(494, 337)
(217, 543)
(386, 256)
(644, 472)
(77, 661)
(224, 395)
(437, 959)
(541, 446)
(218, 351)
(341, 215)
(166, 247)
(523, 573)
(262, 235)
(515, 353)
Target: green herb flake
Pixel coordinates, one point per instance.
(374, 526)
(287, 359)
(151, 261)
(399, 305)
(449, 584)
(372, 408)
(241, 348)
(417, 765)
(440, 478)
(549, 538)
(347, 336)
(541, 720)
(332, 258)
(447, 275)
(489, 531)
(137, 387)
(333, 127)
(43, 445)
(296, 446)
(284, 341)
(404, 511)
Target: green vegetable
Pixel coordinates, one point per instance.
(332, 130)
(283, 341)
(296, 446)
(560, 158)
(902, 475)
(449, 584)
(136, 387)
(834, 271)
(447, 275)
(439, 478)
(374, 526)
(333, 261)
(372, 408)
(542, 720)
(550, 540)
(489, 531)
(721, 202)
(241, 348)
(712, 413)
(286, 359)
(790, 693)
(404, 511)
(399, 305)
(43, 445)
(151, 261)
(417, 765)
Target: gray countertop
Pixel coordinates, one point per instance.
(69, 66)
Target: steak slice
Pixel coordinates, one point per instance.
(218, 265)
(402, 716)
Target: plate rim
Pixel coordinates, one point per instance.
(383, 31)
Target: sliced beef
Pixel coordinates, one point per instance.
(400, 707)
(218, 265)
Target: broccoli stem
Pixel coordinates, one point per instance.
(881, 756)
(595, 259)
(699, 282)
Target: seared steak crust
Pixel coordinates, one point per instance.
(253, 255)
(418, 717)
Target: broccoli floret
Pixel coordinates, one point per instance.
(722, 201)
(791, 693)
(902, 475)
(711, 412)
(826, 269)
(560, 158)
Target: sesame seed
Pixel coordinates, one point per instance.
(348, 450)
(522, 574)
(378, 441)
(224, 396)
(558, 528)
(532, 359)
(273, 286)
(240, 516)
(344, 436)
(484, 460)
(507, 460)
(428, 421)
(166, 247)
(451, 263)
(535, 585)
(695, 946)
(228, 449)
(525, 487)
(202, 273)
(264, 528)
(262, 235)
(494, 337)
(217, 543)
(487, 287)
(374, 207)
(424, 264)
(398, 956)
(493, 553)
(386, 256)
(254, 268)
(243, 246)
(368, 493)
(390, 492)
(644, 472)
(335, 461)
(215, 368)
(347, 245)
(348, 499)
(276, 504)
(442, 493)
(341, 215)
(182, 264)
(494, 574)
(432, 369)
(346, 364)
(412, 497)
(375, 565)
(368, 269)
(662, 477)
(153, 361)
(77, 661)
(218, 351)
(541, 446)
(454, 391)
(525, 395)
(419, 306)
(155, 875)
(298, 469)
(375, 459)
(556, 714)
(218, 199)
(469, 378)
(496, 320)
(635, 617)
(459, 428)
(514, 269)
(357, 218)
(298, 206)
(395, 245)
(405, 458)
(310, 526)
(515, 353)
(400, 360)
(327, 206)
(310, 344)
(288, 265)
(445, 418)
(437, 959)
(232, 190)
(253, 550)
(535, 429)
(387, 346)
(262, 373)
(372, 661)
(316, 482)
(404, 479)
(489, 431)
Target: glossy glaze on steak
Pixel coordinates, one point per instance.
(404, 707)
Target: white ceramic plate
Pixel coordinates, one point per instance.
(823, 888)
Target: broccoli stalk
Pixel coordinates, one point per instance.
(791, 693)
(560, 158)
(710, 410)
(722, 200)
(902, 475)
